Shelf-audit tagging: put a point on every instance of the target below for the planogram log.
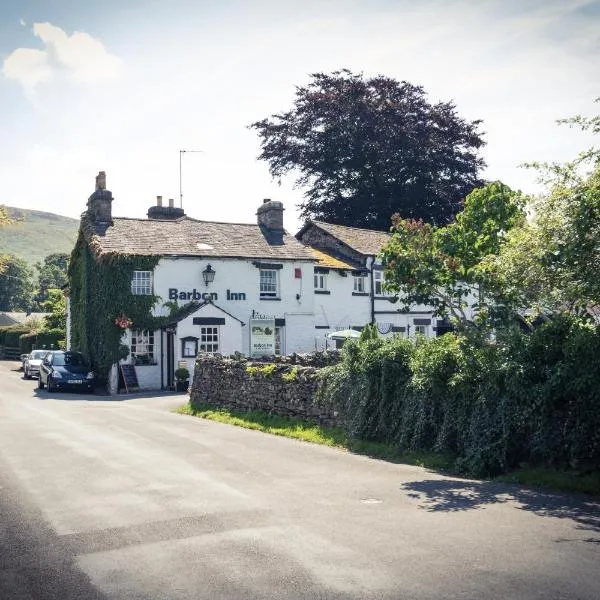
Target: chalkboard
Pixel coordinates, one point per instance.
(130, 378)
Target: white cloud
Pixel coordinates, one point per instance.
(78, 56)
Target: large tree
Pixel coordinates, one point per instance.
(52, 274)
(4, 220)
(16, 285)
(552, 261)
(366, 148)
(447, 266)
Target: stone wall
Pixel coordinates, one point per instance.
(282, 388)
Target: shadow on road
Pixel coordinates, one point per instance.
(101, 395)
(453, 495)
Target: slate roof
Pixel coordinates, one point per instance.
(18, 318)
(364, 241)
(190, 237)
(329, 261)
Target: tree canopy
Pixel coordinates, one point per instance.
(446, 266)
(16, 285)
(52, 274)
(366, 148)
(551, 263)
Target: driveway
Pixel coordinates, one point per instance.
(124, 499)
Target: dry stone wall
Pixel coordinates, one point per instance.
(284, 388)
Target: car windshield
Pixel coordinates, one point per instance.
(74, 360)
(38, 354)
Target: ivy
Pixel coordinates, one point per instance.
(100, 291)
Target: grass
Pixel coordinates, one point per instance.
(567, 481)
(326, 436)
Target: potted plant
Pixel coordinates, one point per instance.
(182, 379)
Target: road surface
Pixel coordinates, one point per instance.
(123, 499)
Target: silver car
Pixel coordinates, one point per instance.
(31, 366)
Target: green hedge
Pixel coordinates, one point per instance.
(9, 336)
(44, 339)
(522, 399)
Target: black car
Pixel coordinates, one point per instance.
(65, 370)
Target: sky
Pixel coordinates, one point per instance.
(124, 86)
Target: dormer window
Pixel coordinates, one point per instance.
(141, 283)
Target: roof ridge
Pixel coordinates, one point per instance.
(350, 227)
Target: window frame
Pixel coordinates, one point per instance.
(212, 339)
(420, 330)
(268, 293)
(320, 278)
(360, 289)
(379, 282)
(148, 341)
(141, 286)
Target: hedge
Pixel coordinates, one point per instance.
(494, 405)
(44, 339)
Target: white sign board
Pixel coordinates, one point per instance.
(262, 337)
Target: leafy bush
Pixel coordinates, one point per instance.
(531, 399)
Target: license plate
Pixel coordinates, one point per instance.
(75, 380)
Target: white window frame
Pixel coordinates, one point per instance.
(359, 284)
(210, 339)
(269, 289)
(378, 283)
(141, 283)
(143, 347)
(320, 280)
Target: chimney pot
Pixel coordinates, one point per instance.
(270, 215)
(171, 203)
(158, 200)
(101, 180)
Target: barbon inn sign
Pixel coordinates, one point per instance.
(177, 294)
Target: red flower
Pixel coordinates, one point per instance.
(123, 322)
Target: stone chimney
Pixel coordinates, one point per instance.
(165, 213)
(270, 215)
(99, 204)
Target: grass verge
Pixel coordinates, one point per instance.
(566, 481)
(326, 436)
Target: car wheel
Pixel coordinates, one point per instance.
(51, 387)
(40, 383)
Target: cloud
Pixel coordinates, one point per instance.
(79, 56)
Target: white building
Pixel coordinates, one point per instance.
(222, 278)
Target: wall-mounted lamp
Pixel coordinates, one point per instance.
(208, 275)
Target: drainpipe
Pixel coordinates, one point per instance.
(162, 360)
(372, 291)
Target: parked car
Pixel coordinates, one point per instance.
(65, 370)
(32, 362)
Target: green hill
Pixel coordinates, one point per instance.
(37, 234)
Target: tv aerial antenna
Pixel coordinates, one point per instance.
(181, 153)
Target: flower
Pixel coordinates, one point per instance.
(123, 322)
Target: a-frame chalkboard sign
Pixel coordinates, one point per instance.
(130, 379)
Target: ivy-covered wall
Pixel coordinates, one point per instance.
(100, 291)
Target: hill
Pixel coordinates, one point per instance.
(37, 234)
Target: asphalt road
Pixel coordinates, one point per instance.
(123, 499)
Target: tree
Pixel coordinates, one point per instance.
(551, 262)
(52, 274)
(56, 306)
(16, 285)
(447, 266)
(4, 220)
(366, 148)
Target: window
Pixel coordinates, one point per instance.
(359, 284)
(320, 281)
(420, 329)
(209, 339)
(378, 281)
(141, 283)
(268, 283)
(189, 347)
(142, 347)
